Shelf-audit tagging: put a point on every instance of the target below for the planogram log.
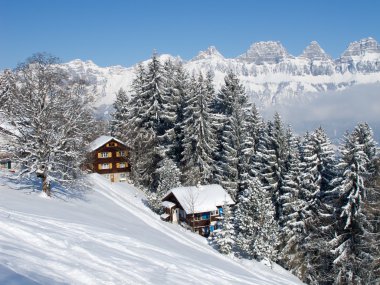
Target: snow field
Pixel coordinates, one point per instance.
(110, 237)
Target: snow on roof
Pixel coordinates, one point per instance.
(94, 145)
(164, 216)
(168, 204)
(203, 198)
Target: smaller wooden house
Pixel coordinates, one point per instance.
(109, 157)
(199, 207)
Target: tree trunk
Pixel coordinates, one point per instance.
(46, 185)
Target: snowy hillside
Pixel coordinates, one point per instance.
(108, 236)
(269, 73)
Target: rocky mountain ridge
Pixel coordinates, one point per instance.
(269, 73)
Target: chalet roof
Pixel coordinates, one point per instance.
(102, 140)
(203, 198)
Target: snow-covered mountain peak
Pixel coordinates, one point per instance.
(314, 52)
(364, 46)
(361, 56)
(211, 52)
(265, 52)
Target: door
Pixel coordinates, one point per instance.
(112, 178)
(175, 216)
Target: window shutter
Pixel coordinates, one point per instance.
(99, 166)
(110, 165)
(110, 154)
(99, 155)
(117, 165)
(118, 154)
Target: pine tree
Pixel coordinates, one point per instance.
(150, 121)
(224, 237)
(120, 116)
(169, 178)
(270, 161)
(352, 257)
(198, 141)
(371, 210)
(256, 229)
(235, 144)
(180, 89)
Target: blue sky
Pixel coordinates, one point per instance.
(125, 32)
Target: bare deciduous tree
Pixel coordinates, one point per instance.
(50, 119)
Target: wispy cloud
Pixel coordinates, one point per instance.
(335, 111)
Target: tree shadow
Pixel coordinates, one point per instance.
(74, 190)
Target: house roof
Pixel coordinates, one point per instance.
(100, 141)
(203, 198)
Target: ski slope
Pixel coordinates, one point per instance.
(108, 236)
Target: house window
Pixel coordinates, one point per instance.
(205, 216)
(105, 154)
(121, 153)
(123, 177)
(105, 166)
(121, 165)
(197, 217)
(112, 144)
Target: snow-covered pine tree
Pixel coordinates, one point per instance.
(291, 224)
(235, 144)
(305, 228)
(52, 120)
(371, 210)
(255, 226)
(255, 126)
(120, 116)
(224, 237)
(5, 79)
(181, 86)
(352, 255)
(169, 178)
(198, 141)
(150, 119)
(270, 160)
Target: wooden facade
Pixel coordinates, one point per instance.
(110, 159)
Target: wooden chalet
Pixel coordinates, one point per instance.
(109, 157)
(199, 207)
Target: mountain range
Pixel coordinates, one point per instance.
(270, 74)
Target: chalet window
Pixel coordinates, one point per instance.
(121, 165)
(205, 216)
(123, 177)
(105, 154)
(197, 217)
(121, 153)
(105, 166)
(182, 214)
(112, 144)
